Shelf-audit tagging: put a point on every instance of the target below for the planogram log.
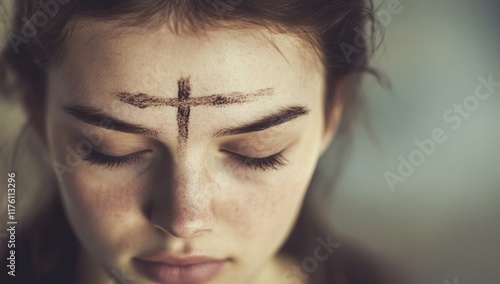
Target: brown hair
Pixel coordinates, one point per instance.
(334, 28)
(341, 32)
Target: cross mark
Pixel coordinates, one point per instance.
(184, 102)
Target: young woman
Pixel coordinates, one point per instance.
(184, 136)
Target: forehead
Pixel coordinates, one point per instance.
(102, 56)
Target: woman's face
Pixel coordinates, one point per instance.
(184, 158)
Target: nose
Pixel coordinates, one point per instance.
(181, 202)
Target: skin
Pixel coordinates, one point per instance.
(201, 201)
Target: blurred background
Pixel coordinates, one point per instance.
(435, 212)
(442, 221)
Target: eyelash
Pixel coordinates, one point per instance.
(272, 162)
(110, 162)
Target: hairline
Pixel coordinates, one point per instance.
(306, 37)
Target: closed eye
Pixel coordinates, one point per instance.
(108, 161)
(274, 161)
(266, 163)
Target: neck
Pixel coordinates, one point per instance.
(276, 270)
(87, 271)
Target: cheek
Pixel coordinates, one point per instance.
(102, 212)
(265, 208)
(264, 213)
(97, 199)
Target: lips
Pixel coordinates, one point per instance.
(170, 269)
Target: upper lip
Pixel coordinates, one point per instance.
(173, 259)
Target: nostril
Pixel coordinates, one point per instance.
(161, 230)
(182, 231)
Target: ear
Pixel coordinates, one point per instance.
(333, 120)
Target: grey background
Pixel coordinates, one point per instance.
(443, 222)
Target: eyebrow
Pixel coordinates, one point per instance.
(97, 118)
(271, 120)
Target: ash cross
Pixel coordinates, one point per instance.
(184, 102)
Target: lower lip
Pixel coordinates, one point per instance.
(170, 273)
